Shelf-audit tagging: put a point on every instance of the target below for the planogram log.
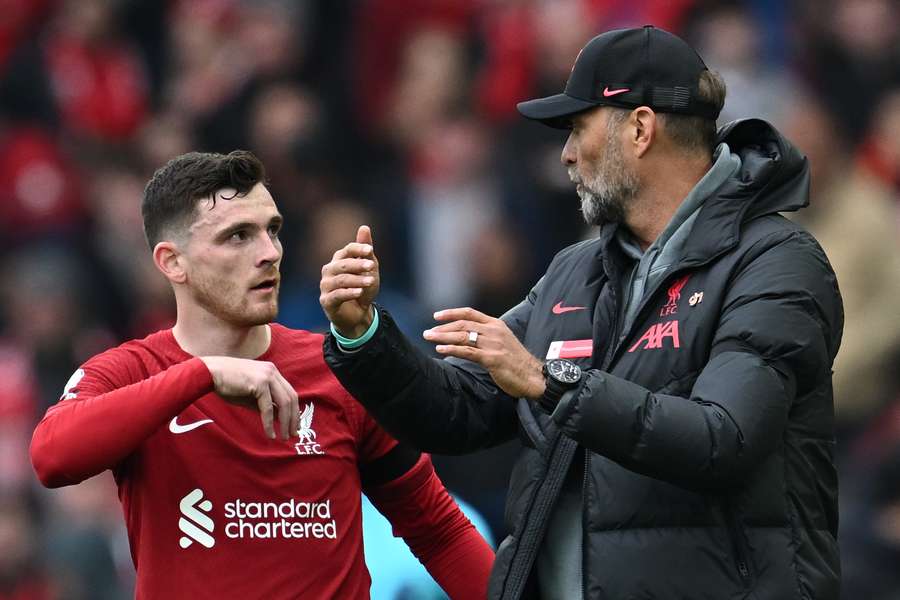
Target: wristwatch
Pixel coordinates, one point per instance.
(560, 375)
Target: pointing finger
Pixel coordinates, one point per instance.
(264, 401)
(354, 250)
(348, 265)
(292, 415)
(458, 314)
(345, 281)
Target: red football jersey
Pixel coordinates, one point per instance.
(214, 508)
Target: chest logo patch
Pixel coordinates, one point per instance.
(653, 338)
(674, 292)
(307, 444)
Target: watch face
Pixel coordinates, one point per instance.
(564, 370)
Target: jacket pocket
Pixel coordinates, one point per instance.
(741, 551)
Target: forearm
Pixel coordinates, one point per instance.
(436, 531)
(432, 404)
(81, 437)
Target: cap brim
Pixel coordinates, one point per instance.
(554, 111)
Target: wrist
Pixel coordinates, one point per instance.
(560, 376)
(358, 330)
(537, 381)
(356, 342)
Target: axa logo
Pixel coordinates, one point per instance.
(307, 435)
(194, 523)
(654, 337)
(671, 306)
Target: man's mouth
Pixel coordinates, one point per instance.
(266, 284)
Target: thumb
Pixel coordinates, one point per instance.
(364, 235)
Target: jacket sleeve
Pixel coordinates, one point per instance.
(422, 512)
(443, 406)
(777, 336)
(106, 412)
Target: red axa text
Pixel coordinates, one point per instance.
(654, 336)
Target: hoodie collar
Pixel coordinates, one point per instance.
(773, 177)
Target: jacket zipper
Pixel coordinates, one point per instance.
(737, 542)
(521, 564)
(584, 487)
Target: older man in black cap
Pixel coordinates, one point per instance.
(670, 380)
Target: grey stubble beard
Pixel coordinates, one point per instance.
(608, 192)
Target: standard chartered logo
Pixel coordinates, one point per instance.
(194, 524)
(292, 519)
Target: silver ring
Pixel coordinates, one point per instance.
(473, 337)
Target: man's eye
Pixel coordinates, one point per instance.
(238, 236)
(274, 230)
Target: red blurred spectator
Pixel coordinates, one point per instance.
(384, 30)
(39, 191)
(508, 72)
(18, 414)
(18, 18)
(880, 152)
(98, 80)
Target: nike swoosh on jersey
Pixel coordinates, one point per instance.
(174, 427)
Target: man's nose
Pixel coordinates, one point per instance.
(270, 251)
(568, 153)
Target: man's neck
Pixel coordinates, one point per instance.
(206, 335)
(660, 197)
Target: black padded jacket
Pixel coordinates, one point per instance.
(706, 430)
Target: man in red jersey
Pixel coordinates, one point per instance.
(215, 509)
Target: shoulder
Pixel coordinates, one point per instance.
(133, 351)
(585, 248)
(780, 260)
(776, 236)
(120, 365)
(574, 257)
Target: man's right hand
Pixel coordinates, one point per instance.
(349, 285)
(257, 384)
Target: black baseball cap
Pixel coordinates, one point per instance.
(645, 66)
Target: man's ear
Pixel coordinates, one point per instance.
(170, 261)
(645, 124)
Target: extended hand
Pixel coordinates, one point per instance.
(349, 285)
(257, 384)
(515, 370)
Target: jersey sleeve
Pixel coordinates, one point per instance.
(422, 512)
(108, 408)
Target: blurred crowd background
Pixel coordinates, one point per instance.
(399, 114)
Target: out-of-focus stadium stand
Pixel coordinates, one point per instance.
(400, 113)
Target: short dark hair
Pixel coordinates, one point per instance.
(698, 133)
(170, 198)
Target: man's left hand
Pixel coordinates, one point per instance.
(515, 370)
